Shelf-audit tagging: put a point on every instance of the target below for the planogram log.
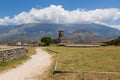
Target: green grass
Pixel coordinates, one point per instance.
(102, 59)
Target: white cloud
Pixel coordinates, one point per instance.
(5, 20)
(115, 26)
(57, 14)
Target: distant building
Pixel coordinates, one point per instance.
(63, 40)
(60, 35)
(19, 43)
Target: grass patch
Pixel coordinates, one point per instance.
(81, 58)
(6, 65)
(2, 48)
(31, 51)
(81, 76)
(102, 59)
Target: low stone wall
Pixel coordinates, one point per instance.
(10, 54)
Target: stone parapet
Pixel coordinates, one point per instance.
(13, 53)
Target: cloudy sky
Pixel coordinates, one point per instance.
(60, 11)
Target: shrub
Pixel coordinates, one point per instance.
(46, 41)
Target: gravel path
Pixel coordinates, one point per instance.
(29, 70)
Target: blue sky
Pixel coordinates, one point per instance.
(14, 7)
(60, 11)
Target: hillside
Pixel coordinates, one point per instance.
(37, 30)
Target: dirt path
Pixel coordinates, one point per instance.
(29, 70)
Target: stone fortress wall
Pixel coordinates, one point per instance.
(13, 53)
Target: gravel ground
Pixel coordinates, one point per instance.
(31, 69)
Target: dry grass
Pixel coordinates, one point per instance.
(31, 51)
(81, 76)
(1, 48)
(102, 59)
(4, 66)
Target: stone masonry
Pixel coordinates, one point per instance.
(14, 53)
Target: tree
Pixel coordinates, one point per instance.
(114, 42)
(46, 40)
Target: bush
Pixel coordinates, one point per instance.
(46, 41)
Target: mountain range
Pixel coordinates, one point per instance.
(38, 30)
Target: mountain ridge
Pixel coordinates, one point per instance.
(38, 30)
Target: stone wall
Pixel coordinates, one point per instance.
(10, 54)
